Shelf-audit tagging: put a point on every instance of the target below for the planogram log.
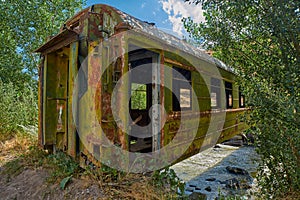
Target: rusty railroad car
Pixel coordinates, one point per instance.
(166, 89)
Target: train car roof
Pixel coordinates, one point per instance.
(172, 40)
(151, 29)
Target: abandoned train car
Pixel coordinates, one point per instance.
(195, 91)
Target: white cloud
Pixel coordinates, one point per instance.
(177, 9)
(143, 5)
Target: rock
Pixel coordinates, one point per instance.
(208, 189)
(237, 140)
(197, 196)
(244, 139)
(199, 191)
(188, 193)
(210, 179)
(193, 185)
(235, 184)
(189, 189)
(232, 183)
(235, 143)
(250, 138)
(236, 170)
(227, 147)
(197, 188)
(237, 137)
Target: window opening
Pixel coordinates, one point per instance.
(182, 95)
(229, 96)
(138, 96)
(215, 93)
(241, 98)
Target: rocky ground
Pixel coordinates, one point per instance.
(220, 171)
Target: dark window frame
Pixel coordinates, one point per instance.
(215, 87)
(228, 93)
(181, 82)
(134, 92)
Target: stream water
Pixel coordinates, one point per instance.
(223, 170)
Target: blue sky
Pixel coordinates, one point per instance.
(166, 14)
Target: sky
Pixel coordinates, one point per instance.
(166, 14)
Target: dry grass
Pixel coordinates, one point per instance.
(138, 190)
(12, 146)
(19, 153)
(135, 186)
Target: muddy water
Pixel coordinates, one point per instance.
(224, 170)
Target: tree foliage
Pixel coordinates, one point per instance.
(138, 96)
(260, 38)
(24, 26)
(18, 109)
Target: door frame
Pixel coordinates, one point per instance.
(156, 93)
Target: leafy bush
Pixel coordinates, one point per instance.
(260, 39)
(18, 108)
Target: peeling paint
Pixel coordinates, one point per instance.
(78, 38)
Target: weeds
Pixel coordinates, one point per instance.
(168, 178)
(111, 174)
(63, 166)
(230, 197)
(61, 169)
(60, 164)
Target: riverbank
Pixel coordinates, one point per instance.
(221, 171)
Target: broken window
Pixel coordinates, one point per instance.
(228, 92)
(182, 93)
(215, 93)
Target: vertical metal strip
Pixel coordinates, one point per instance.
(155, 103)
(72, 99)
(44, 99)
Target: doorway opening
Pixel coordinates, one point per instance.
(142, 87)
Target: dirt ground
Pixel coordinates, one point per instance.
(32, 184)
(23, 177)
(20, 180)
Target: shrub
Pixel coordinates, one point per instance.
(18, 108)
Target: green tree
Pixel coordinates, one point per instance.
(24, 26)
(260, 38)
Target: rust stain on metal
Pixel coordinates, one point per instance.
(94, 26)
